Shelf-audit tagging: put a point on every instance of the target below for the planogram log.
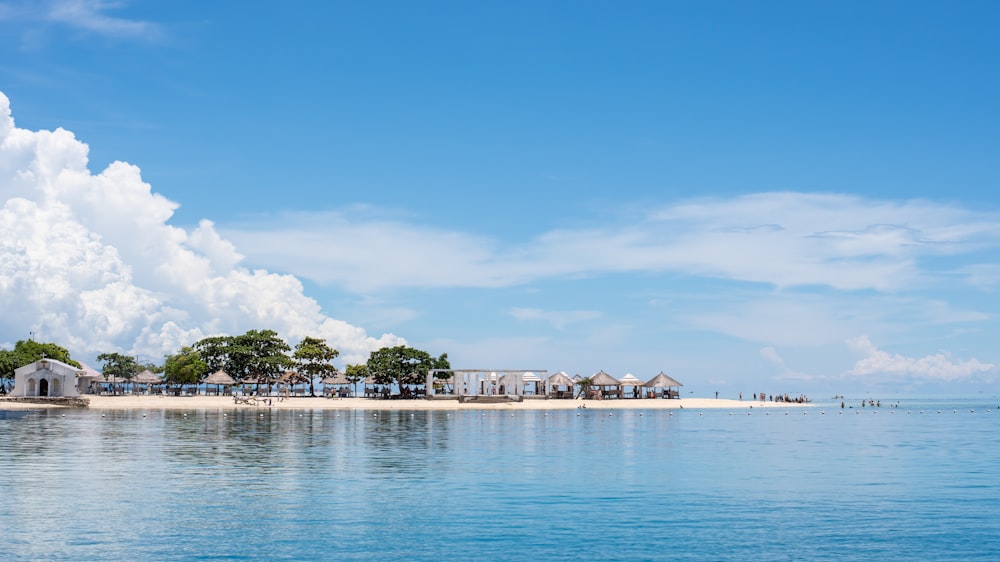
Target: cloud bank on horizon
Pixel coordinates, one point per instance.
(90, 261)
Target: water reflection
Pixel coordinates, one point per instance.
(405, 444)
(256, 483)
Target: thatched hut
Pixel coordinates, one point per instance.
(664, 386)
(634, 383)
(337, 385)
(374, 389)
(291, 380)
(603, 385)
(147, 379)
(219, 379)
(559, 385)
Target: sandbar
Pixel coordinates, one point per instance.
(159, 402)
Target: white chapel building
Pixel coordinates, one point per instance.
(48, 377)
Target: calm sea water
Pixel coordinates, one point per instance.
(560, 485)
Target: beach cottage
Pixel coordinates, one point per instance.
(48, 377)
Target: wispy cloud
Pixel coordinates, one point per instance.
(842, 242)
(91, 16)
(559, 319)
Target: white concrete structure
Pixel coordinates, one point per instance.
(476, 383)
(48, 377)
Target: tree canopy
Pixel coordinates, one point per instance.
(312, 358)
(403, 365)
(356, 373)
(184, 367)
(118, 365)
(257, 354)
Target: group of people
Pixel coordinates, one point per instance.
(764, 397)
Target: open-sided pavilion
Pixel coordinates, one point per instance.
(481, 385)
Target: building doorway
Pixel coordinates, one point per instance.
(43, 387)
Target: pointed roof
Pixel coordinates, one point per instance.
(630, 380)
(561, 379)
(661, 380)
(292, 377)
(603, 379)
(88, 371)
(220, 377)
(336, 378)
(147, 377)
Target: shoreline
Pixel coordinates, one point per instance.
(158, 402)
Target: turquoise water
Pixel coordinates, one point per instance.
(560, 485)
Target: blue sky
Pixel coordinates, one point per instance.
(779, 196)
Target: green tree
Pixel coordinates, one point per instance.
(185, 367)
(118, 365)
(259, 354)
(356, 373)
(403, 365)
(312, 358)
(214, 351)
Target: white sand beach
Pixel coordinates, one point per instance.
(158, 402)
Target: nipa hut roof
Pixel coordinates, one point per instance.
(147, 377)
(292, 377)
(336, 378)
(561, 379)
(220, 377)
(604, 379)
(661, 380)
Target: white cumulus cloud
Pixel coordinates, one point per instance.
(90, 261)
(940, 366)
